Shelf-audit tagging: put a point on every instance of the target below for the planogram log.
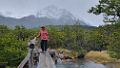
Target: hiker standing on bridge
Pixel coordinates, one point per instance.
(43, 35)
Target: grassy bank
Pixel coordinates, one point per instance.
(100, 57)
(67, 52)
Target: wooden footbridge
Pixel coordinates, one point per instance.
(36, 59)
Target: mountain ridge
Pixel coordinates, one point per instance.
(51, 16)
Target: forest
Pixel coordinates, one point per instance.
(13, 46)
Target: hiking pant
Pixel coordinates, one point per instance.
(44, 45)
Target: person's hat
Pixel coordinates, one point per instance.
(43, 27)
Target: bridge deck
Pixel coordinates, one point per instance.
(45, 61)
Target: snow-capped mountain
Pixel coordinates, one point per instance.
(55, 12)
(50, 15)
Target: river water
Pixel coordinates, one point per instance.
(45, 61)
(88, 64)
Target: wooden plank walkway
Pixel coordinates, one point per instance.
(45, 61)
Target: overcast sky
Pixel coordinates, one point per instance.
(79, 8)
